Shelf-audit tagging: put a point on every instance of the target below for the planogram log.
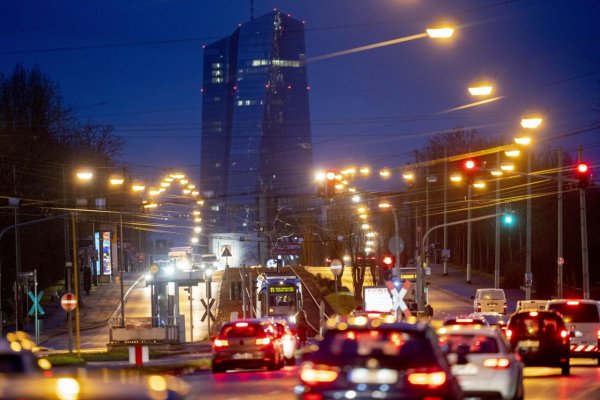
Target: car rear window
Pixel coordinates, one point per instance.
(579, 312)
(398, 347)
(242, 330)
(11, 363)
(478, 344)
(532, 326)
(492, 295)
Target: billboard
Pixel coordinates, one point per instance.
(97, 248)
(377, 298)
(106, 254)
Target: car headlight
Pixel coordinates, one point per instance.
(148, 277)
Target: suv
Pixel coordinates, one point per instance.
(377, 359)
(247, 344)
(489, 300)
(540, 338)
(582, 318)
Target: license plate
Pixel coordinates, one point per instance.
(466, 369)
(242, 356)
(373, 376)
(529, 344)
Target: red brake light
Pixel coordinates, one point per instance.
(466, 320)
(496, 363)
(313, 374)
(430, 379)
(564, 334)
(221, 343)
(508, 333)
(598, 333)
(241, 324)
(572, 303)
(533, 313)
(263, 341)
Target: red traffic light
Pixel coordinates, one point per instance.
(388, 261)
(469, 164)
(582, 168)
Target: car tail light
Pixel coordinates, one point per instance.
(466, 320)
(508, 333)
(564, 334)
(505, 307)
(241, 324)
(572, 303)
(313, 374)
(263, 341)
(430, 379)
(478, 307)
(220, 343)
(533, 314)
(496, 363)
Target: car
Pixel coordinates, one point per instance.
(17, 358)
(483, 361)
(367, 359)
(582, 319)
(540, 338)
(531, 305)
(465, 320)
(247, 344)
(489, 300)
(289, 340)
(493, 319)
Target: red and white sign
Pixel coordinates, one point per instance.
(68, 302)
(560, 261)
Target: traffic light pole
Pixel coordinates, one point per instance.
(497, 231)
(584, 243)
(559, 258)
(420, 285)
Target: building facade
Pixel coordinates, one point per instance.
(256, 137)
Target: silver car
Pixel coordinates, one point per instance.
(482, 361)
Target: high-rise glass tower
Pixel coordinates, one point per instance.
(256, 138)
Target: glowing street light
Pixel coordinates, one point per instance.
(523, 140)
(85, 175)
(442, 32)
(512, 153)
(532, 122)
(116, 180)
(507, 166)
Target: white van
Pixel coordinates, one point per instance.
(582, 319)
(489, 300)
(531, 305)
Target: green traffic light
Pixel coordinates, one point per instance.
(508, 219)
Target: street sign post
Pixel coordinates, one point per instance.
(208, 313)
(336, 268)
(35, 300)
(226, 252)
(398, 298)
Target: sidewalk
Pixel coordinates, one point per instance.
(97, 309)
(455, 284)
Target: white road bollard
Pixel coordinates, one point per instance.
(138, 355)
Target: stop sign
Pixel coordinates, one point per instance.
(68, 302)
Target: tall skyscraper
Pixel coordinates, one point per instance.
(256, 138)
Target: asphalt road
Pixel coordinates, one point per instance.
(540, 384)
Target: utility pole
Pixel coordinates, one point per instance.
(559, 258)
(469, 230)
(445, 258)
(528, 274)
(497, 229)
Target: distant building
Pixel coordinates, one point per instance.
(256, 137)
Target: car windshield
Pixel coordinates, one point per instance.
(470, 343)
(402, 349)
(242, 330)
(578, 312)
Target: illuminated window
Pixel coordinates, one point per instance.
(217, 80)
(217, 65)
(217, 73)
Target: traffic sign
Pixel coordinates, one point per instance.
(226, 251)
(336, 267)
(560, 261)
(36, 303)
(68, 302)
(207, 312)
(154, 268)
(398, 297)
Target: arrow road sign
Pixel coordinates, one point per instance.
(36, 303)
(207, 312)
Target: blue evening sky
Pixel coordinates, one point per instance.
(138, 65)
